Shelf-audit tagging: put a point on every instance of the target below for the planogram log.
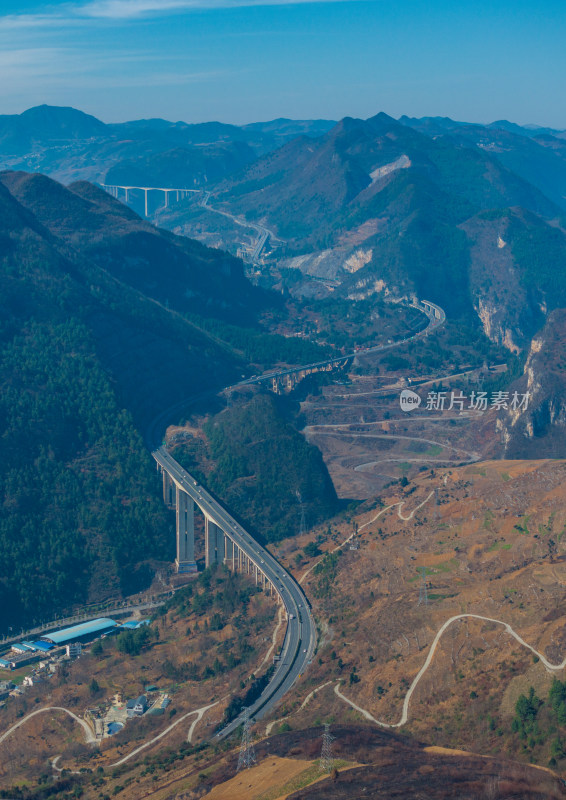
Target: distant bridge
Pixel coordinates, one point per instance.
(286, 380)
(180, 194)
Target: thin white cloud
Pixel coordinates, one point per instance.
(15, 22)
(30, 59)
(73, 14)
(49, 68)
(129, 9)
(37, 57)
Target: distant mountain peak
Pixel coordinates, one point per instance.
(20, 133)
(60, 114)
(505, 125)
(382, 118)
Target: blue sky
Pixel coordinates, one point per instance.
(245, 60)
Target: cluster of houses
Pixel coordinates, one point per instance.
(110, 717)
(47, 651)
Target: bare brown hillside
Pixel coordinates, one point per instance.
(489, 540)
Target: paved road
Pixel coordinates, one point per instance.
(263, 233)
(425, 666)
(434, 323)
(300, 636)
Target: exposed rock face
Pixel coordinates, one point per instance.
(492, 319)
(370, 285)
(499, 297)
(325, 264)
(540, 430)
(330, 264)
(357, 260)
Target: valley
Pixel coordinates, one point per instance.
(448, 662)
(356, 266)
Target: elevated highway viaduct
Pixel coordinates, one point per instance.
(286, 379)
(227, 542)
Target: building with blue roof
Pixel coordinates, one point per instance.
(45, 647)
(21, 647)
(83, 631)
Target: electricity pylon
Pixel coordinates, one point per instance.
(326, 752)
(247, 753)
(303, 525)
(423, 593)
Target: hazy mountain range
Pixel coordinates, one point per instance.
(69, 144)
(470, 216)
(94, 330)
(103, 327)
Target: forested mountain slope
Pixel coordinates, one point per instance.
(253, 457)
(83, 352)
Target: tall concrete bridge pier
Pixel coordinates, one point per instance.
(180, 193)
(175, 497)
(224, 541)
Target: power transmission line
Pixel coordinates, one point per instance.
(247, 758)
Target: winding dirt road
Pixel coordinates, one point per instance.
(200, 712)
(91, 739)
(425, 666)
(400, 504)
(335, 430)
(89, 735)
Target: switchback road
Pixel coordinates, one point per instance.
(427, 663)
